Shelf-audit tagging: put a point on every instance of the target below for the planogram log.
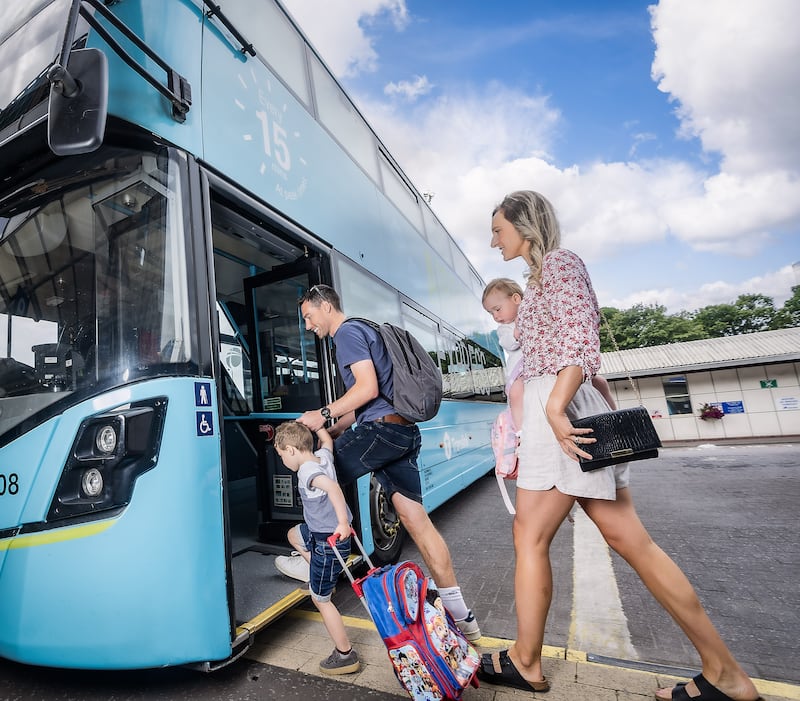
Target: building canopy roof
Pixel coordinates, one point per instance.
(765, 347)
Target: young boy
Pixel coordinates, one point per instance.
(326, 513)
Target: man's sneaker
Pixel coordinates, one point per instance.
(469, 627)
(337, 663)
(293, 566)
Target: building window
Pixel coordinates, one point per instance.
(676, 390)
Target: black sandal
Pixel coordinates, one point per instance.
(708, 692)
(497, 668)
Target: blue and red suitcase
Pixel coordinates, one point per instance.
(432, 659)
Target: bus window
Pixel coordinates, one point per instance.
(400, 192)
(276, 40)
(424, 329)
(364, 295)
(337, 113)
(290, 377)
(94, 286)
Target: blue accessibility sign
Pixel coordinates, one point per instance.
(205, 423)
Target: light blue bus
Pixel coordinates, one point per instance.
(173, 176)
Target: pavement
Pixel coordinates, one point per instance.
(299, 641)
(738, 545)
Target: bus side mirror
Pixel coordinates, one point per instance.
(78, 105)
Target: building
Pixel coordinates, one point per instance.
(753, 378)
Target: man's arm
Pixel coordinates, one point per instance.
(364, 390)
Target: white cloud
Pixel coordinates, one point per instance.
(776, 285)
(409, 90)
(733, 69)
(733, 73)
(336, 28)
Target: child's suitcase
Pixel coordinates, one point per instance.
(431, 657)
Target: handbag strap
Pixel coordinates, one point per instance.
(621, 360)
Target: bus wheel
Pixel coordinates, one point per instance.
(387, 531)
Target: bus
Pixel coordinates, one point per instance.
(174, 174)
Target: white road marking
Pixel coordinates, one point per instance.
(598, 623)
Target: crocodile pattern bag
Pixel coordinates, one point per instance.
(622, 436)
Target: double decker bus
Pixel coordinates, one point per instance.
(174, 174)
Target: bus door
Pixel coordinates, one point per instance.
(290, 373)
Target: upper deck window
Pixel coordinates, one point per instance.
(400, 192)
(274, 37)
(437, 235)
(342, 119)
(30, 39)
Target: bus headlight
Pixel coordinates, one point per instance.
(92, 482)
(106, 439)
(109, 453)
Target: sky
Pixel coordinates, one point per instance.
(666, 135)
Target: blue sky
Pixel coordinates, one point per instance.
(666, 135)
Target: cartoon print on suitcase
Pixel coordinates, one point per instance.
(431, 658)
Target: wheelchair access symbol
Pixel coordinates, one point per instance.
(204, 423)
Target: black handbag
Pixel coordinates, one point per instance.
(622, 436)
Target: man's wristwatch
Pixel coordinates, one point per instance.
(326, 413)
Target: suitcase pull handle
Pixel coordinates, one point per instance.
(332, 540)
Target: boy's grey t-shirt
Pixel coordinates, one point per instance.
(318, 511)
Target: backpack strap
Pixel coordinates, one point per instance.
(375, 326)
(501, 482)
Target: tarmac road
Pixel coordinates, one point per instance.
(726, 514)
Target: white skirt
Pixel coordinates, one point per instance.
(542, 463)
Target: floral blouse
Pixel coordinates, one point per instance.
(559, 320)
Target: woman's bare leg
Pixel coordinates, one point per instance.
(539, 514)
(626, 535)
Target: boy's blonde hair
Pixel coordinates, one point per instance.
(502, 284)
(294, 434)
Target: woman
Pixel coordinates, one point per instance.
(558, 326)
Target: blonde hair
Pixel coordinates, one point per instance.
(502, 284)
(535, 220)
(292, 433)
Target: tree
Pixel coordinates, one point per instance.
(718, 320)
(647, 325)
(789, 314)
(756, 313)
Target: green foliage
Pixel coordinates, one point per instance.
(643, 325)
(789, 314)
(647, 325)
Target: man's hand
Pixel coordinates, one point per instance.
(313, 419)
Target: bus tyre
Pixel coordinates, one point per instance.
(388, 533)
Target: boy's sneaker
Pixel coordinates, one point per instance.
(337, 663)
(294, 566)
(469, 627)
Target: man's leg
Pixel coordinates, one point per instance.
(436, 556)
(431, 545)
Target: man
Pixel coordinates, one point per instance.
(366, 369)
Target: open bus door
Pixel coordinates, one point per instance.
(290, 375)
(282, 370)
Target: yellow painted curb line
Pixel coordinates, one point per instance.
(764, 686)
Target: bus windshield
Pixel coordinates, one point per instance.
(93, 284)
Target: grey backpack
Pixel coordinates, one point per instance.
(416, 377)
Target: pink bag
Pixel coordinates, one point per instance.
(504, 444)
